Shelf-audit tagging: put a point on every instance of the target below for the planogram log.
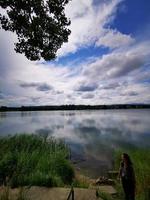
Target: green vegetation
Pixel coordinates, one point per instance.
(75, 107)
(80, 183)
(5, 194)
(103, 195)
(33, 160)
(41, 26)
(22, 194)
(141, 162)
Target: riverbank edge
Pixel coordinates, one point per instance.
(74, 107)
(141, 162)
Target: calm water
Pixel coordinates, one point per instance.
(91, 135)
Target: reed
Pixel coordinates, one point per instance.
(33, 160)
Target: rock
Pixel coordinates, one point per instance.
(104, 181)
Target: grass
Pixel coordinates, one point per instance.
(141, 162)
(103, 195)
(21, 194)
(80, 181)
(6, 194)
(33, 160)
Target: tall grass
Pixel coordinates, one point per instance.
(141, 163)
(104, 195)
(6, 194)
(33, 160)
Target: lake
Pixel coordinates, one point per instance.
(92, 135)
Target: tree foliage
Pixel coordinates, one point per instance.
(41, 26)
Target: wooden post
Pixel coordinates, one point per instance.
(72, 193)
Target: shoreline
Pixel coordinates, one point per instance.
(75, 107)
(66, 173)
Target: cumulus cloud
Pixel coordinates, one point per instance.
(110, 86)
(28, 85)
(39, 86)
(142, 77)
(113, 39)
(44, 87)
(2, 96)
(118, 63)
(88, 96)
(120, 75)
(86, 87)
(130, 93)
(88, 22)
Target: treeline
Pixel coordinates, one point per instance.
(74, 107)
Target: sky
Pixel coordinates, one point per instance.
(106, 59)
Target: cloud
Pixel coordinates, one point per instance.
(88, 96)
(44, 87)
(113, 39)
(86, 87)
(35, 99)
(117, 64)
(2, 96)
(102, 80)
(142, 77)
(130, 93)
(122, 74)
(28, 85)
(39, 86)
(88, 25)
(110, 86)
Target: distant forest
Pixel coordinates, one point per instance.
(74, 107)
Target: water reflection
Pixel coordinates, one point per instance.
(92, 135)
